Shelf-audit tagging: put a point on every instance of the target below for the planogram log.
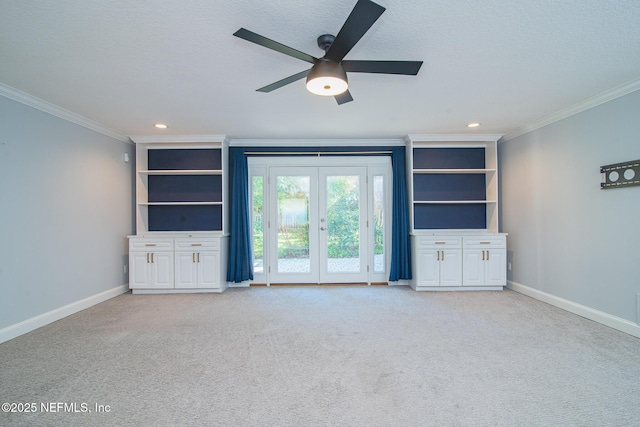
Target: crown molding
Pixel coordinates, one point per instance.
(54, 110)
(169, 139)
(316, 142)
(452, 137)
(585, 105)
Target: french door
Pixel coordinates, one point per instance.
(317, 223)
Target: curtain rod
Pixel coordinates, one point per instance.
(311, 153)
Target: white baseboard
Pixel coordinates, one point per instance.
(176, 291)
(41, 320)
(606, 319)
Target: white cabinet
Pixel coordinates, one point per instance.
(485, 261)
(459, 262)
(180, 264)
(453, 188)
(151, 264)
(437, 261)
(197, 263)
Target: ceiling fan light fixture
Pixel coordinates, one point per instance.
(327, 78)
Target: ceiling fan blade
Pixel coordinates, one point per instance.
(362, 17)
(410, 68)
(344, 97)
(268, 43)
(283, 82)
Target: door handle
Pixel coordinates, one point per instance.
(438, 255)
(483, 255)
(487, 255)
(147, 257)
(193, 257)
(323, 228)
(198, 256)
(443, 255)
(151, 257)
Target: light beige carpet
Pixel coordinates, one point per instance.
(316, 356)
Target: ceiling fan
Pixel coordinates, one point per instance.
(328, 75)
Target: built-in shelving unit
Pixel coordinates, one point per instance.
(181, 221)
(453, 188)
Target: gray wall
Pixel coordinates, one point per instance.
(65, 209)
(567, 237)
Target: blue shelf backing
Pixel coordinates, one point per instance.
(449, 158)
(185, 218)
(438, 187)
(185, 188)
(450, 216)
(185, 159)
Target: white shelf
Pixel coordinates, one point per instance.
(180, 203)
(180, 172)
(450, 202)
(453, 171)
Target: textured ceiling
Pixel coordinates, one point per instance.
(130, 64)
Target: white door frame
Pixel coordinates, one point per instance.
(376, 166)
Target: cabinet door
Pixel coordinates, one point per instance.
(186, 270)
(139, 270)
(451, 267)
(474, 265)
(208, 269)
(428, 268)
(496, 267)
(161, 270)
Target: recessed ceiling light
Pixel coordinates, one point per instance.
(473, 125)
(161, 126)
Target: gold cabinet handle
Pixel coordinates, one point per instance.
(483, 255)
(193, 257)
(151, 257)
(198, 256)
(487, 255)
(196, 244)
(485, 243)
(150, 244)
(147, 257)
(438, 255)
(442, 255)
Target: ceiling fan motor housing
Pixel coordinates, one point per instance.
(325, 41)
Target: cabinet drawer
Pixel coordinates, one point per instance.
(150, 245)
(437, 241)
(485, 242)
(197, 244)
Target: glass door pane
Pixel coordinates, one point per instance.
(293, 195)
(378, 224)
(257, 187)
(343, 224)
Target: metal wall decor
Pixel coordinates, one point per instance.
(619, 175)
